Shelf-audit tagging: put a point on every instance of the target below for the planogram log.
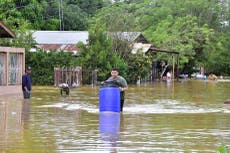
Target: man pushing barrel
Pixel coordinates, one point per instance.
(121, 83)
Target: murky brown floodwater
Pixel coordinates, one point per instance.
(187, 116)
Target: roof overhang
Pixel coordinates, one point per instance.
(140, 46)
(5, 32)
(154, 49)
(149, 47)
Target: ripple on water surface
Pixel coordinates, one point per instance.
(163, 106)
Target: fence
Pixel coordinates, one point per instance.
(70, 76)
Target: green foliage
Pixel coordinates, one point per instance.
(138, 66)
(219, 58)
(97, 54)
(43, 64)
(74, 18)
(198, 29)
(223, 149)
(117, 18)
(33, 11)
(184, 35)
(12, 17)
(46, 14)
(87, 6)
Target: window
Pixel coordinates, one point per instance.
(15, 64)
(2, 69)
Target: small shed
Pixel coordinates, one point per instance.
(144, 47)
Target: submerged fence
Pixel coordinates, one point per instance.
(70, 76)
(75, 76)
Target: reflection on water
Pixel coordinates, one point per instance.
(109, 126)
(187, 116)
(26, 106)
(11, 122)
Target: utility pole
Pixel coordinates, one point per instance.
(60, 14)
(62, 17)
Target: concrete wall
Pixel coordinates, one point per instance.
(12, 91)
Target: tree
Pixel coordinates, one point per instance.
(43, 64)
(183, 34)
(74, 18)
(11, 16)
(87, 6)
(219, 58)
(97, 54)
(138, 66)
(33, 11)
(120, 23)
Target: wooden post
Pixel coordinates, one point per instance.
(173, 72)
(177, 67)
(6, 69)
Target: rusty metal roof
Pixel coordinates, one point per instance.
(71, 47)
(59, 40)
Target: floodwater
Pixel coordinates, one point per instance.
(181, 117)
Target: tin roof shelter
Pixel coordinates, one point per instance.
(144, 47)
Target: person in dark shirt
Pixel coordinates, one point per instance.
(27, 83)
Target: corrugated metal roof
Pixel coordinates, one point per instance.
(130, 36)
(60, 37)
(139, 46)
(67, 40)
(73, 37)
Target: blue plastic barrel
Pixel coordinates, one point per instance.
(109, 99)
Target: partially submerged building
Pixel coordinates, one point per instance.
(67, 40)
(12, 64)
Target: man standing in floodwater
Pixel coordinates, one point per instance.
(26, 83)
(122, 85)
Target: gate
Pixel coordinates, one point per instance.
(70, 76)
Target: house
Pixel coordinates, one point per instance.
(67, 40)
(59, 40)
(12, 64)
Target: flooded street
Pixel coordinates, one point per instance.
(185, 116)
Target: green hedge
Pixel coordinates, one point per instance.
(43, 64)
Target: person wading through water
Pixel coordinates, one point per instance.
(123, 86)
(26, 83)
